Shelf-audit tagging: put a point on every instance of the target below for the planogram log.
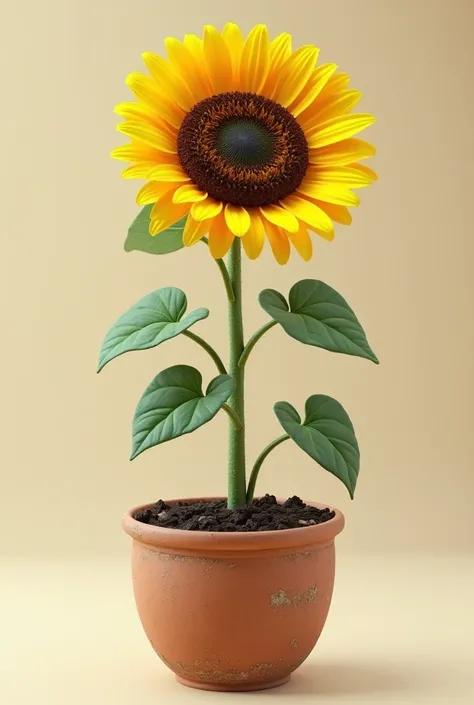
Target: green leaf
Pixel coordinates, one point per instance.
(139, 237)
(152, 320)
(326, 434)
(318, 315)
(174, 405)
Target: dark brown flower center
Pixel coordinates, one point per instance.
(242, 148)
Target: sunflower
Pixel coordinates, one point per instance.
(246, 138)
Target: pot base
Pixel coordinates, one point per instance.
(233, 687)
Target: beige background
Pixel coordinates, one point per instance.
(404, 266)
(401, 625)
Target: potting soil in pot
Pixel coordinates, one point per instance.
(263, 514)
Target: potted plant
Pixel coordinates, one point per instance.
(239, 141)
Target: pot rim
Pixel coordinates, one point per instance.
(218, 541)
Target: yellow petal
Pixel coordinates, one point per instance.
(158, 225)
(195, 46)
(280, 50)
(254, 238)
(218, 62)
(235, 43)
(331, 193)
(143, 87)
(134, 152)
(335, 85)
(147, 91)
(342, 175)
(279, 242)
(153, 191)
(169, 83)
(194, 231)
(168, 172)
(337, 129)
(333, 106)
(138, 171)
(302, 242)
(294, 75)
(208, 208)
(188, 193)
(237, 219)
(342, 153)
(310, 214)
(220, 237)
(281, 217)
(189, 67)
(365, 170)
(165, 213)
(130, 110)
(143, 113)
(313, 88)
(255, 60)
(150, 135)
(339, 214)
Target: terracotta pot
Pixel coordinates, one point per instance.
(233, 611)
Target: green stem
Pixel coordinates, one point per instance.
(258, 465)
(208, 348)
(227, 283)
(233, 416)
(253, 341)
(236, 467)
(225, 275)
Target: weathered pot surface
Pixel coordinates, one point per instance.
(233, 611)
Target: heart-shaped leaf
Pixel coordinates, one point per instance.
(318, 315)
(152, 320)
(174, 404)
(139, 237)
(326, 434)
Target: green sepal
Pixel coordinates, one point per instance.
(139, 238)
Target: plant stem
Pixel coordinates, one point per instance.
(227, 283)
(253, 341)
(258, 465)
(225, 275)
(208, 348)
(236, 466)
(233, 416)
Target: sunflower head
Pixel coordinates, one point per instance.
(246, 138)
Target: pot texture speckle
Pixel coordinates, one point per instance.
(233, 611)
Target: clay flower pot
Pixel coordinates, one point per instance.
(233, 611)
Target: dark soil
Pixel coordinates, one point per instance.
(263, 514)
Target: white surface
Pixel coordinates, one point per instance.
(400, 631)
